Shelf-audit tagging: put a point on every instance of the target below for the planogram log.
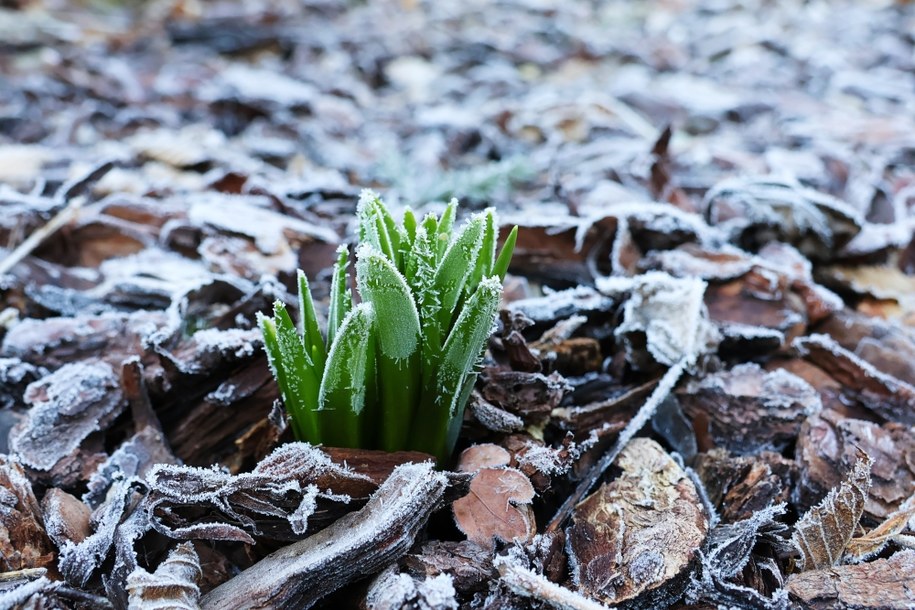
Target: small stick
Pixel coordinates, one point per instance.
(68, 213)
(24, 574)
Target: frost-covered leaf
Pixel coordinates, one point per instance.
(267, 502)
(664, 318)
(822, 534)
(762, 209)
(172, 586)
(861, 548)
(497, 507)
(718, 579)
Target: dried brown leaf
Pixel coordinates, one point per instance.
(863, 547)
(497, 507)
(822, 534)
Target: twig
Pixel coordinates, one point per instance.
(665, 385)
(34, 240)
(25, 574)
(527, 583)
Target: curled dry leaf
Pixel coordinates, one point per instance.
(866, 546)
(172, 586)
(284, 488)
(636, 536)
(497, 507)
(822, 534)
(66, 518)
(664, 319)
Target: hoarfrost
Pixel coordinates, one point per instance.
(67, 406)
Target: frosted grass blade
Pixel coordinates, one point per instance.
(311, 334)
(505, 256)
(341, 301)
(454, 269)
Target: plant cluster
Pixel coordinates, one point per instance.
(396, 370)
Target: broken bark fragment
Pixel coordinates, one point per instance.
(67, 406)
(739, 487)
(356, 545)
(748, 410)
(884, 584)
(394, 591)
(498, 507)
(827, 446)
(637, 536)
(524, 394)
(23, 541)
(468, 564)
(172, 585)
(888, 397)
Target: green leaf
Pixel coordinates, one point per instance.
(455, 268)
(396, 317)
(444, 228)
(311, 334)
(341, 301)
(277, 365)
(505, 256)
(446, 396)
(409, 227)
(484, 263)
(349, 379)
(397, 332)
(301, 384)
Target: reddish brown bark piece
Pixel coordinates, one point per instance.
(826, 449)
(23, 542)
(636, 536)
(748, 410)
(739, 487)
(524, 394)
(885, 395)
(497, 507)
(884, 584)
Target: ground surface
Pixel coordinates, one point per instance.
(722, 191)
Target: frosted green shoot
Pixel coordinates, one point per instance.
(394, 372)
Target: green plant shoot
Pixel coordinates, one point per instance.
(394, 372)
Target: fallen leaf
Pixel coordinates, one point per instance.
(822, 534)
(497, 507)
